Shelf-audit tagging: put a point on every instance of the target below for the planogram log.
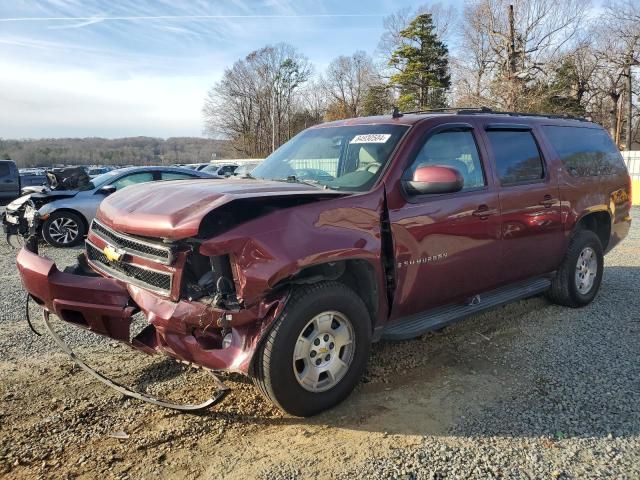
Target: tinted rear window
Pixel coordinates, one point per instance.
(4, 169)
(585, 152)
(517, 156)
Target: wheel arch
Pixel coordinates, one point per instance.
(598, 222)
(357, 274)
(85, 222)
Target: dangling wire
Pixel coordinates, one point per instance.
(29, 317)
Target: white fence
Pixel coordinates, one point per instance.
(632, 159)
(237, 161)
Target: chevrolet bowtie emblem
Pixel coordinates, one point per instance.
(113, 254)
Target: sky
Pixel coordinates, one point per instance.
(115, 68)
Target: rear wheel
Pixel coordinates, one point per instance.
(578, 279)
(63, 229)
(316, 352)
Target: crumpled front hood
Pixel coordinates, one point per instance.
(18, 202)
(39, 198)
(175, 208)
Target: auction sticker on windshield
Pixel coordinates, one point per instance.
(371, 138)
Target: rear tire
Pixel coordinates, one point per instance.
(317, 350)
(63, 229)
(578, 279)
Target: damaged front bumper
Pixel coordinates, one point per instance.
(22, 221)
(191, 332)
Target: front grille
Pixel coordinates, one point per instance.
(140, 276)
(132, 245)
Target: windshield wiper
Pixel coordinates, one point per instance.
(294, 179)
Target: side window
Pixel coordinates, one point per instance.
(585, 152)
(133, 179)
(456, 149)
(175, 176)
(228, 170)
(517, 156)
(4, 169)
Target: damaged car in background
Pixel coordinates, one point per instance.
(61, 211)
(353, 231)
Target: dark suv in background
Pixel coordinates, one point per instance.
(353, 231)
(9, 181)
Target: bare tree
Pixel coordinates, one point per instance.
(253, 103)
(346, 82)
(514, 40)
(472, 69)
(314, 101)
(622, 53)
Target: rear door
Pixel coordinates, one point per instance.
(532, 238)
(9, 180)
(446, 245)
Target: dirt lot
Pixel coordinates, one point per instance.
(530, 390)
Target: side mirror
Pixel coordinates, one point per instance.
(107, 189)
(434, 179)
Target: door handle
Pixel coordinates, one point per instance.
(484, 212)
(548, 201)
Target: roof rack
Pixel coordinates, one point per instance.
(480, 110)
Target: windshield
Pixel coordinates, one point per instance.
(343, 158)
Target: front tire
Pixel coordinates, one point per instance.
(63, 229)
(578, 279)
(316, 352)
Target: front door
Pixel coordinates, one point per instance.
(532, 236)
(446, 245)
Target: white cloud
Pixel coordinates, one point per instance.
(38, 101)
(84, 68)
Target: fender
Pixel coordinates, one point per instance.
(273, 248)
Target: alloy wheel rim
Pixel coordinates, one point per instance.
(63, 230)
(324, 351)
(586, 270)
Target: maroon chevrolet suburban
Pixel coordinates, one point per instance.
(354, 231)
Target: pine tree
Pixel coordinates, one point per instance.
(422, 66)
(377, 100)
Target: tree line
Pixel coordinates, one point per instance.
(539, 56)
(121, 151)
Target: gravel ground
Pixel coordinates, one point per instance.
(530, 390)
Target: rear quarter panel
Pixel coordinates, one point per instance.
(580, 196)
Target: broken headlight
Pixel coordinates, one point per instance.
(210, 277)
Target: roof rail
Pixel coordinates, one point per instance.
(481, 110)
(464, 110)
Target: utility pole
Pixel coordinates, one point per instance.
(628, 139)
(273, 120)
(511, 59)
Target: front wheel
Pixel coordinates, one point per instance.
(63, 229)
(316, 352)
